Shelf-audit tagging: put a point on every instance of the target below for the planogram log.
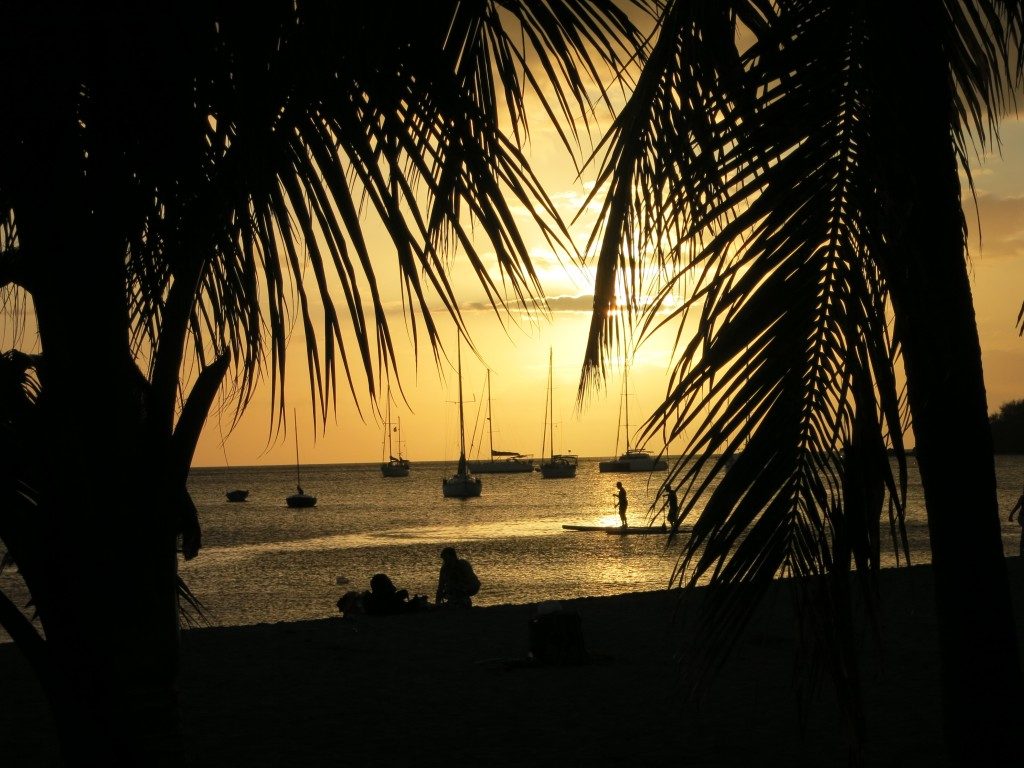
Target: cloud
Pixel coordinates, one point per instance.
(1002, 226)
(583, 303)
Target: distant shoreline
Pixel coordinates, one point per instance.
(376, 463)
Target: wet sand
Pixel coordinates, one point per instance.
(452, 688)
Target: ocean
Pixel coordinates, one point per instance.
(262, 562)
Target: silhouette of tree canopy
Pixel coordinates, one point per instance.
(790, 170)
(182, 182)
(182, 185)
(1008, 427)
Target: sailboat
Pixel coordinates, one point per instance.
(634, 459)
(393, 467)
(557, 465)
(235, 494)
(500, 461)
(462, 484)
(300, 498)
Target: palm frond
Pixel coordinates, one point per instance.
(304, 127)
(190, 608)
(749, 179)
(745, 177)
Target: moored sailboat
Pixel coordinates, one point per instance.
(300, 498)
(393, 466)
(462, 484)
(500, 461)
(634, 459)
(235, 494)
(557, 465)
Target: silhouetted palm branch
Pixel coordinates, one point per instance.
(748, 175)
(278, 140)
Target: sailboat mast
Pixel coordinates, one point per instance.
(625, 387)
(295, 428)
(551, 404)
(462, 423)
(490, 422)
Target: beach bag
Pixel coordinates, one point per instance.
(469, 583)
(556, 636)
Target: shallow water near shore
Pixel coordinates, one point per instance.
(262, 562)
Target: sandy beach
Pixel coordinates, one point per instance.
(451, 688)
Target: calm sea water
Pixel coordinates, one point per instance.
(263, 562)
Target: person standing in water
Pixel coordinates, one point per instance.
(1018, 510)
(673, 509)
(623, 502)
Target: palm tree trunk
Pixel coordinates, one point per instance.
(109, 609)
(108, 600)
(926, 271)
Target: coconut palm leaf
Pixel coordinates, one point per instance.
(230, 167)
(262, 148)
(743, 176)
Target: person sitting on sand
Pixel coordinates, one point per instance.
(456, 583)
(384, 598)
(351, 603)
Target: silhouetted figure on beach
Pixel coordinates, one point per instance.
(384, 598)
(456, 583)
(351, 603)
(673, 509)
(1018, 510)
(622, 501)
(381, 599)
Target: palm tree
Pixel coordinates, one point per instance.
(792, 169)
(179, 185)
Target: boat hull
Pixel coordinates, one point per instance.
(502, 466)
(398, 468)
(633, 463)
(300, 501)
(461, 486)
(559, 467)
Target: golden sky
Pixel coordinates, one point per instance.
(517, 353)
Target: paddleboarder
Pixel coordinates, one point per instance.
(622, 501)
(673, 509)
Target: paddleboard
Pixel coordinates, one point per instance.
(618, 530)
(636, 531)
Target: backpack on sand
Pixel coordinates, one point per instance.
(468, 580)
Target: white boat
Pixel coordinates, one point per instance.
(462, 484)
(500, 461)
(394, 466)
(634, 459)
(557, 465)
(300, 498)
